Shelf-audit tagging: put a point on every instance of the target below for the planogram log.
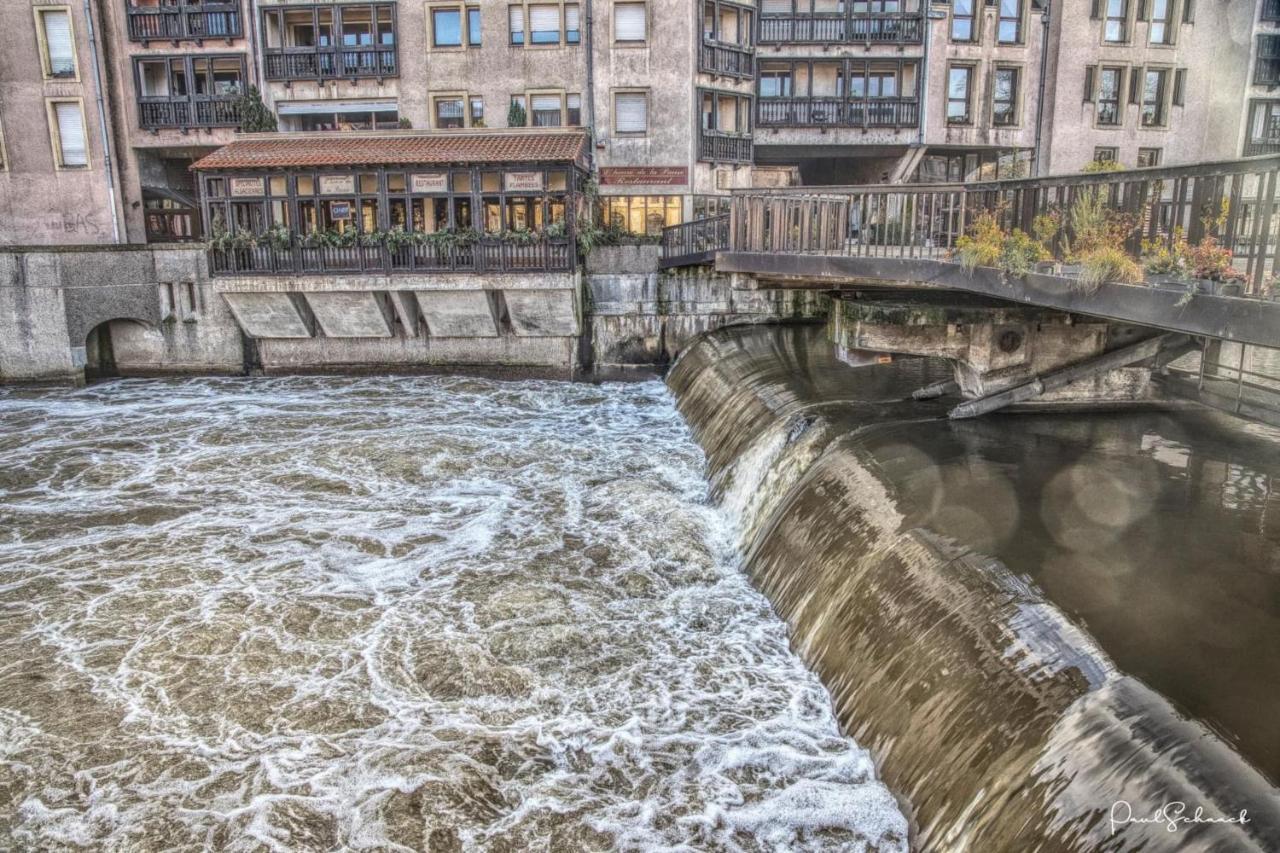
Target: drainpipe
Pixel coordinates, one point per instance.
(589, 47)
(1044, 64)
(107, 163)
(252, 29)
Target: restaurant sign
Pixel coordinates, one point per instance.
(434, 182)
(518, 182)
(253, 187)
(644, 176)
(337, 184)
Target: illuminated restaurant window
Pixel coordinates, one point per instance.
(643, 215)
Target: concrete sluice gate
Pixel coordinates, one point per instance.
(1051, 631)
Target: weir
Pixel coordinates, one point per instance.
(937, 576)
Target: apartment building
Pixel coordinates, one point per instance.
(105, 104)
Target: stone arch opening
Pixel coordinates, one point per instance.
(102, 345)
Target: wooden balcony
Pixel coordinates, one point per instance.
(837, 112)
(183, 113)
(330, 63)
(726, 60)
(716, 146)
(841, 29)
(186, 22)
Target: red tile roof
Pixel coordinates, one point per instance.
(354, 149)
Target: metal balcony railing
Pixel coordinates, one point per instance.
(186, 22)
(330, 63)
(695, 242)
(485, 255)
(719, 147)
(841, 29)
(837, 112)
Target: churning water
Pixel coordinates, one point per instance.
(430, 613)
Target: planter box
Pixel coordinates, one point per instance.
(1168, 281)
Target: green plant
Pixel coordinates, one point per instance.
(982, 245)
(556, 229)
(398, 238)
(1209, 259)
(1094, 226)
(254, 115)
(1019, 253)
(1045, 228)
(278, 237)
(1104, 265)
(1166, 258)
(516, 115)
(1095, 167)
(404, 124)
(520, 236)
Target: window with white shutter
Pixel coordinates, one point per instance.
(517, 24)
(544, 24)
(546, 110)
(776, 7)
(59, 48)
(572, 23)
(631, 112)
(72, 151)
(629, 22)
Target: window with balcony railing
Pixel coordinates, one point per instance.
(1264, 128)
(1266, 69)
(189, 91)
(838, 21)
(348, 41)
(826, 93)
(727, 47)
(184, 20)
(1270, 11)
(724, 132)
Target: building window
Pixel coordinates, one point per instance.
(1264, 128)
(631, 112)
(1009, 25)
(573, 110)
(775, 82)
(517, 24)
(66, 120)
(572, 24)
(1116, 26)
(446, 28)
(639, 214)
(1148, 157)
(57, 44)
(629, 23)
(339, 41)
(1270, 11)
(725, 23)
(1108, 111)
(546, 110)
(1153, 89)
(1161, 28)
(1004, 99)
(477, 111)
(962, 21)
(449, 113)
(473, 26)
(544, 24)
(1105, 154)
(189, 91)
(1266, 69)
(959, 88)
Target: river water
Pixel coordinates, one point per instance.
(394, 613)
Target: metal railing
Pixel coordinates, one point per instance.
(837, 112)
(485, 255)
(186, 22)
(1237, 202)
(696, 241)
(717, 146)
(841, 29)
(728, 60)
(202, 111)
(330, 63)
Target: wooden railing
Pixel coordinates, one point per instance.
(728, 60)
(716, 146)
(841, 29)
(330, 63)
(696, 241)
(202, 111)
(837, 112)
(548, 255)
(1237, 202)
(186, 22)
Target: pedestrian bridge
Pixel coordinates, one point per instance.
(904, 238)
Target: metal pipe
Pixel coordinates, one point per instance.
(107, 162)
(589, 35)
